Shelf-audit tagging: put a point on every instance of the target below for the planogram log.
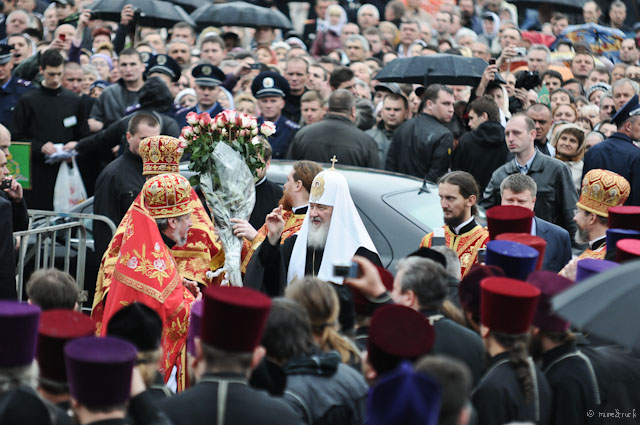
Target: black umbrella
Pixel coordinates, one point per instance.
(240, 14)
(557, 5)
(606, 305)
(189, 5)
(149, 13)
(439, 68)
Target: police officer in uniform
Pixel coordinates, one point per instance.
(208, 80)
(165, 68)
(10, 88)
(270, 88)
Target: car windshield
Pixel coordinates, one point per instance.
(421, 208)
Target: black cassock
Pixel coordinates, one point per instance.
(267, 196)
(573, 381)
(498, 398)
(117, 187)
(267, 272)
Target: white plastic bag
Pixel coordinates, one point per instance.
(69, 190)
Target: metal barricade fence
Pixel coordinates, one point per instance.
(52, 235)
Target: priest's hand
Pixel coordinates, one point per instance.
(570, 270)
(191, 287)
(275, 225)
(243, 229)
(369, 281)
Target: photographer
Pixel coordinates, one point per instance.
(10, 189)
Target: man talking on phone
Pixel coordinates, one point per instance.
(459, 193)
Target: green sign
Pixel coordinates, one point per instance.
(20, 163)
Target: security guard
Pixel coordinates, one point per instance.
(164, 67)
(10, 88)
(208, 80)
(270, 88)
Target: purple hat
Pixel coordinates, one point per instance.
(99, 370)
(406, 397)
(194, 327)
(614, 235)
(588, 267)
(549, 284)
(515, 259)
(469, 288)
(18, 333)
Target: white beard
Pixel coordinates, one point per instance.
(178, 240)
(317, 236)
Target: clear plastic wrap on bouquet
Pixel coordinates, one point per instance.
(233, 198)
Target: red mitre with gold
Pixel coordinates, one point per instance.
(146, 272)
(160, 155)
(601, 190)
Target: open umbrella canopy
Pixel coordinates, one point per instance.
(149, 13)
(602, 40)
(189, 5)
(606, 305)
(556, 5)
(439, 68)
(240, 14)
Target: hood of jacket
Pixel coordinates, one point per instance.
(320, 364)
(489, 134)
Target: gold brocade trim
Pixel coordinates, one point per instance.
(183, 254)
(465, 245)
(146, 289)
(599, 253)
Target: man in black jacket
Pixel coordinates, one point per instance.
(557, 195)
(483, 149)
(336, 135)
(422, 146)
(120, 182)
(233, 321)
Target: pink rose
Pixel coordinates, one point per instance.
(192, 118)
(268, 128)
(205, 119)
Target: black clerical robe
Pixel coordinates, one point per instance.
(268, 195)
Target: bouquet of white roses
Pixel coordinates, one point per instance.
(226, 153)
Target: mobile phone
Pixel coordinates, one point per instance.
(5, 184)
(492, 61)
(350, 270)
(482, 255)
(63, 37)
(255, 66)
(438, 237)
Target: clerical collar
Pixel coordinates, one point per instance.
(462, 226)
(597, 243)
(296, 209)
(262, 180)
(168, 241)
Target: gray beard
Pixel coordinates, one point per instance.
(178, 240)
(581, 237)
(317, 236)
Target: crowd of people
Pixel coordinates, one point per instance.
(546, 145)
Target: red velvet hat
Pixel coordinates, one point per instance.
(469, 287)
(624, 217)
(397, 333)
(549, 284)
(627, 249)
(57, 327)
(508, 219)
(234, 318)
(507, 305)
(535, 242)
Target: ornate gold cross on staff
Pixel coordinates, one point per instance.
(333, 163)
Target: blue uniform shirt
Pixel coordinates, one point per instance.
(285, 130)
(9, 95)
